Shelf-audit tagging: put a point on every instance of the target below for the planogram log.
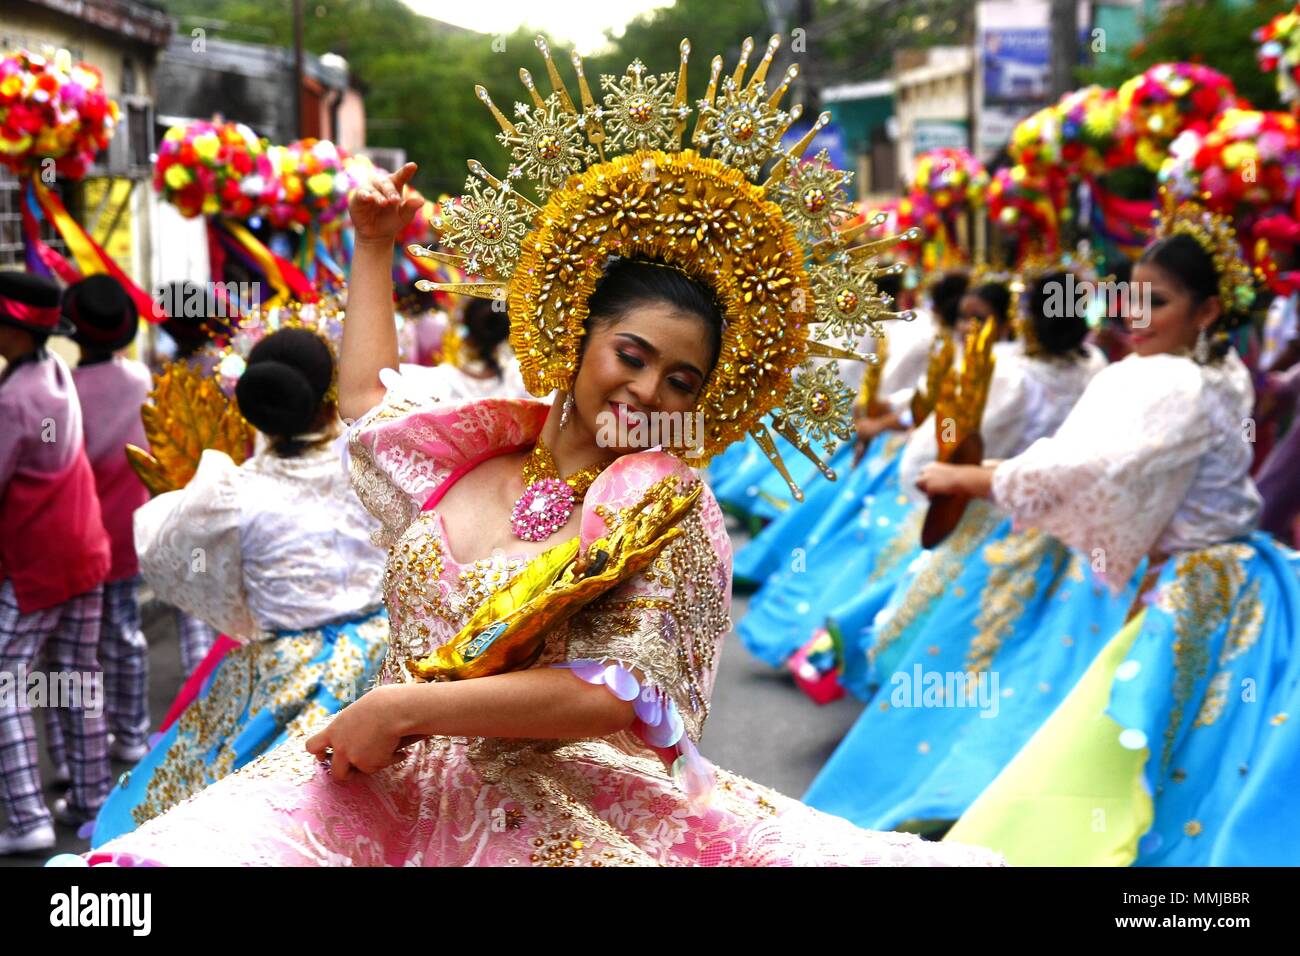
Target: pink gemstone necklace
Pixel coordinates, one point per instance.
(548, 500)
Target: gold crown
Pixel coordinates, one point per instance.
(1216, 235)
(792, 285)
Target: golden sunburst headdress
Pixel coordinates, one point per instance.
(792, 284)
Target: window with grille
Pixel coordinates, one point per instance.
(11, 224)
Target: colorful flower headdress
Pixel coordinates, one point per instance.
(1218, 238)
(324, 318)
(774, 250)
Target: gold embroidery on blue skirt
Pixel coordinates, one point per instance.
(1243, 632)
(261, 676)
(945, 565)
(903, 543)
(1013, 565)
(1205, 587)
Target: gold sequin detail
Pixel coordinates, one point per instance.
(1013, 564)
(904, 542)
(263, 677)
(1205, 588)
(1243, 632)
(945, 565)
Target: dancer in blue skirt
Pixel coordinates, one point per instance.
(952, 661)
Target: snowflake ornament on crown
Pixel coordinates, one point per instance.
(619, 178)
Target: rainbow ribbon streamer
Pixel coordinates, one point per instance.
(90, 257)
(1126, 223)
(330, 272)
(283, 276)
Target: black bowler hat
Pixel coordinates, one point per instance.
(191, 311)
(31, 302)
(104, 315)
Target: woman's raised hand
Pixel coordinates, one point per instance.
(385, 206)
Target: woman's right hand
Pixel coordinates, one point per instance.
(385, 206)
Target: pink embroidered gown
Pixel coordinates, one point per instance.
(487, 802)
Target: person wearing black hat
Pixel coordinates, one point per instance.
(54, 557)
(112, 389)
(194, 316)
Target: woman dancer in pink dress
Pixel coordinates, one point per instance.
(585, 755)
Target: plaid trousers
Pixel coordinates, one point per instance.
(124, 657)
(68, 634)
(197, 638)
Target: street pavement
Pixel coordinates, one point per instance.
(760, 725)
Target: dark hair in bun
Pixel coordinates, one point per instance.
(997, 297)
(946, 294)
(284, 386)
(1055, 334)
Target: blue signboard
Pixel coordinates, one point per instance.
(1016, 64)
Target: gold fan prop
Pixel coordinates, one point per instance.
(958, 412)
(508, 630)
(186, 413)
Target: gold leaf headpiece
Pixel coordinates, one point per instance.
(1216, 235)
(792, 284)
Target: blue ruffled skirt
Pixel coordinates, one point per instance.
(1181, 744)
(748, 486)
(969, 656)
(259, 694)
(866, 534)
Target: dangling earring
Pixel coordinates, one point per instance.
(1201, 353)
(566, 409)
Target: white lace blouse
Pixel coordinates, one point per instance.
(1029, 397)
(275, 544)
(1154, 457)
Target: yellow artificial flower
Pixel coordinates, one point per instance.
(321, 184)
(1148, 155)
(177, 176)
(207, 145)
(15, 147)
(1239, 154)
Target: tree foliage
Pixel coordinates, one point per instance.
(1214, 32)
(418, 74)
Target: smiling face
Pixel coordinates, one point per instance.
(654, 359)
(1166, 317)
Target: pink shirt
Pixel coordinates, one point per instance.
(52, 541)
(111, 395)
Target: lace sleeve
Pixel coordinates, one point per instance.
(387, 477)
(1111, 478)
(189, 547)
